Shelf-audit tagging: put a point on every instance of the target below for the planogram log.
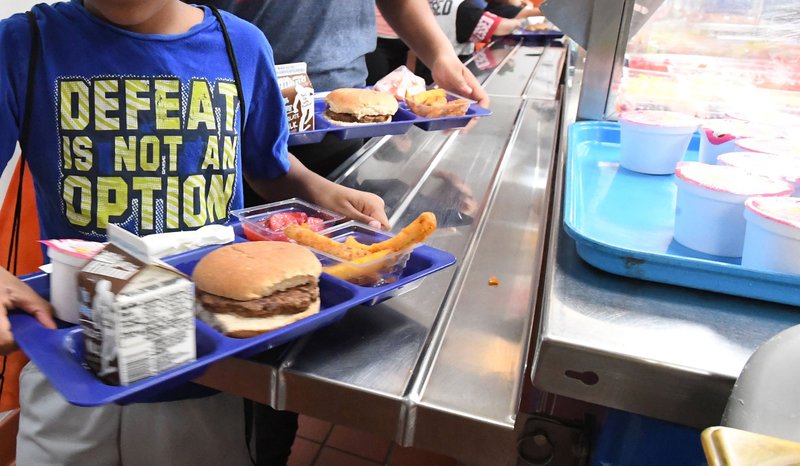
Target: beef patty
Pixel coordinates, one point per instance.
(291, 301)
(350, 118)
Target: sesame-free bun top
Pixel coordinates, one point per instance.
(361, 102)
(252, 270)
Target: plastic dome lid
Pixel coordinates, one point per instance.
(660, 118)
(770, 145)
(725, 179)
(784, 210)
(785, 167)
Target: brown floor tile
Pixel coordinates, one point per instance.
(313, 428)
(333, 457)
(304, 452)
(359, 443)
(403, 456)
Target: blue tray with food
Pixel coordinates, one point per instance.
(61, 356)
(448, 114)
(623, 223)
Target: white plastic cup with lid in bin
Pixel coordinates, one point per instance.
(709, 211)
(783, 167)
(67, 257)
(769, 145)
(653, 142)
(772, 237)
(719, 135)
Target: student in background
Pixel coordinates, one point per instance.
(133, 78)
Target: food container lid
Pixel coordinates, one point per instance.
(770, 145)
(725, 179)
(79, 249)
(784, 167)
(784, 210)
(731, 127)
(660, 118)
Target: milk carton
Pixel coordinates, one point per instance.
(298, 95)
(137, 315)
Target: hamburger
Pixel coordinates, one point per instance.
(246, 289)
(349, 106)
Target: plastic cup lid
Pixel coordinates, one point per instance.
(785, 210)
(784, 167)
(660, 118)
(74, 247)
(770, 145)
(725, 179)
(729, 126)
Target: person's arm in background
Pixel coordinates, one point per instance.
(415, 24)
(301, 182)
(473, 24)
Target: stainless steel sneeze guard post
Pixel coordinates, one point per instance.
(449, 356)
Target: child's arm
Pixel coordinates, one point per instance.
(414, 22)
(302, 182)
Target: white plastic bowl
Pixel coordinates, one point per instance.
(782, 167)
(653, 142)
(709, 211)
(717, 136)
(772, 237)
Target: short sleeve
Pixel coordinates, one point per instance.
(264, 145)
(14, 56)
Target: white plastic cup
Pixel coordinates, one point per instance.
(772, 237)
(709, 210)
(782, 167)
(64, 284)
(718, 136)
(653, 142)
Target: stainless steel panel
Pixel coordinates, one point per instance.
(546, 78)
(476, 372)
(668, 352)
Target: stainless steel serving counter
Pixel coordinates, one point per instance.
(441, 366)
(663, 351)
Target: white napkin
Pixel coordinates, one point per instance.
(166, 244)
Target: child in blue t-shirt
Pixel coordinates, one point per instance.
(145, 115)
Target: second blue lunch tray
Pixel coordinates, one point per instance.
(59, 353)
(400, 124)
(622, 222)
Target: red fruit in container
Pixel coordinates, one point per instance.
(315, 223)
(281, 220)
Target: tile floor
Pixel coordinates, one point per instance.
(320, 443)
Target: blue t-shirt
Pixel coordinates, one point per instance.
(135, 129)
(331, 36)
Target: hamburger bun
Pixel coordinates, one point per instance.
(244, 289)
(351, 106)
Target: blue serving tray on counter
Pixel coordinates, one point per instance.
(546, 33)
(59, 353)
(401, 122)
(622, 222)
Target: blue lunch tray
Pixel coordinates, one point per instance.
(400, 124)
(59, 354)
(622, 222)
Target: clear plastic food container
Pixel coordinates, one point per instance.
(382, 270)
(455, 106)
(266, 222)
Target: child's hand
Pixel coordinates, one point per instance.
(359, 205)
(16, 295)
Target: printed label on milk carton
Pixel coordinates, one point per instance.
(298, 95)
(137, 317)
